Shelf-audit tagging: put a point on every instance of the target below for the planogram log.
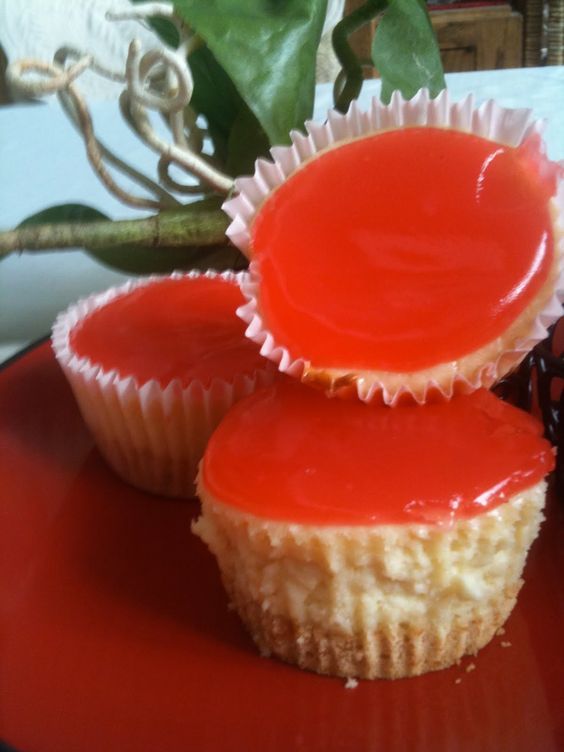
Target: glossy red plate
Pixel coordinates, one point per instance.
(115, 632)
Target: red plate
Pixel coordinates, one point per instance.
(115, 633)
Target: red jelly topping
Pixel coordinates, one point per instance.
(289, 453)
(405, 249)
(182, 329)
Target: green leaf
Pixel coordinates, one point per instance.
(236, 133)
(405, 50)
(144, 260)
(215, 97)
(268, 49)
(64, 213)
(166, 30)
(247, 141)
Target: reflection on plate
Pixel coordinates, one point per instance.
(115, 631)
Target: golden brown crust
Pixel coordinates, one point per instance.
(393, 651)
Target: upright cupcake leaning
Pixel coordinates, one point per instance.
(411, 254)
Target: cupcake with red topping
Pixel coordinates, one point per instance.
(154, 365)
(364, 541)
(408, 252)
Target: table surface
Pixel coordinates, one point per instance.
(116, 636)
(42, 163)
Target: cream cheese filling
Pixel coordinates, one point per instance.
(358, 578)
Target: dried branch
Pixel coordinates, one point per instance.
(57, 77)
(171, 229)
(65, 53)
(159, 80)
(162, 169)
(59, 80)
(136, 98)
(166, 200)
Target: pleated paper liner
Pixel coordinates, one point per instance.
(386, 601)
(481, 368)
(152, 436)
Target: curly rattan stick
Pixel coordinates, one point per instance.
(191, 162)
(133, 109)
(65, 53)
(57, 78)
(163, 166)
(142, 11)
(95, 157)
(61, 56)
(165, 199)
(138, 75)
(161, 80)
(184, 128)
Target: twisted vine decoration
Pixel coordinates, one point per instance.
(158, 80)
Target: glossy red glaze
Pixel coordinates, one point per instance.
(115, 633)
(182, 329)
(403, 250)
(320, 461)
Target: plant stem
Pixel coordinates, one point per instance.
(170, 229)
(351, 65)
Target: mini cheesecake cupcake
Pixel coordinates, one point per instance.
(154, 365)
(410, 250)
(368, 541)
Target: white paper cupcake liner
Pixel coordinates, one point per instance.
(153, 437)
(489, 120)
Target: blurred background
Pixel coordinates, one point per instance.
(472, 34)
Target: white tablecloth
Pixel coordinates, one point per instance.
(42, 163)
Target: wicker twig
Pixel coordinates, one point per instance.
(160, 80)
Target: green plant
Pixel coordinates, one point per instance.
(248, 68)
